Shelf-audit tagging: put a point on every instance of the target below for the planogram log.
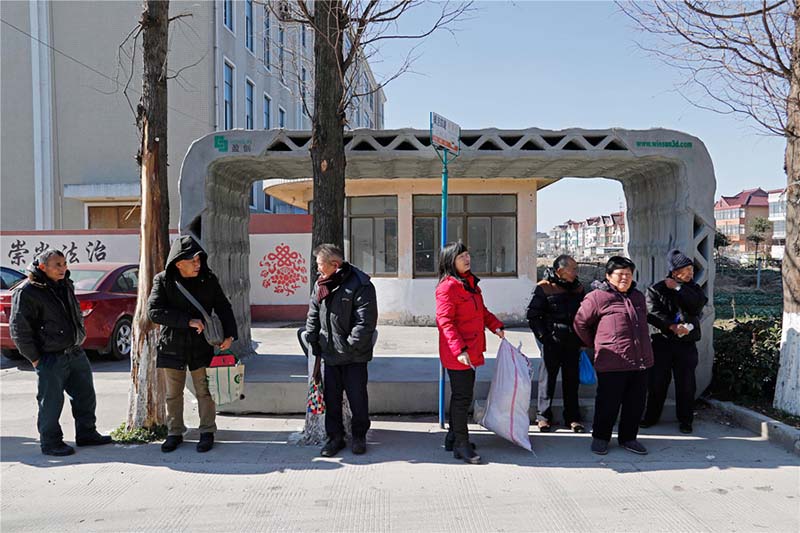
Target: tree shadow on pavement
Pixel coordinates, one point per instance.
(419, 441)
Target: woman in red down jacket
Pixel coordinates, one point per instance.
(461, 318)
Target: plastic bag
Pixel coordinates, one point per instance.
(225, 378)
(586, 374)
(316, 400)
(510, 397)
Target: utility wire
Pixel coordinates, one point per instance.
(84, 65)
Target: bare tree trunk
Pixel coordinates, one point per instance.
(327, 156)
(327, 137)
(146, 400)
(787, 392)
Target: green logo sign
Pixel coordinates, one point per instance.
(237, 378)
(235, 145)
(220, 143)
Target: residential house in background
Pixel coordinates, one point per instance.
(777, 215)
(734, 216)
(594, 239)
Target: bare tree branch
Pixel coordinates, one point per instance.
(694, 7)
(738, 57)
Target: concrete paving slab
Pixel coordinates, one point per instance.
(721, 478)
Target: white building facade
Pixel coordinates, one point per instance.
(777, 215)
(232, 65)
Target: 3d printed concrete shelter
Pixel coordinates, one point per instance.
(667, 177)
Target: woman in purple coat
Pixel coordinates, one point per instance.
(613, 319)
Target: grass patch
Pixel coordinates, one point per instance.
(123, 435)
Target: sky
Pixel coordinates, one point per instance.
(556, 65)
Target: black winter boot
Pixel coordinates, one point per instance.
(172, 442)
(467, 453)
(206, 442)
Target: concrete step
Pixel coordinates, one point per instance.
(400, 384)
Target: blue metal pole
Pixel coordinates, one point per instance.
(443, 225)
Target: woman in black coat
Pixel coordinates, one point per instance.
(181, 343)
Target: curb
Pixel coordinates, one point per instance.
(776, 432)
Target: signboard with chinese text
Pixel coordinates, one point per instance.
(445, 134)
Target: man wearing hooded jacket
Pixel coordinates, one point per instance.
(47, 326)
(181, 344)
(674, 308)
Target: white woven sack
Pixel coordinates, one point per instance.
(509, 397)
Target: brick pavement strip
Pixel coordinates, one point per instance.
(721, 478)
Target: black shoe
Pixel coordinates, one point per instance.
(577, 427)
(685, 428)
(359, 446)
(467, 453)
(644, 424)
(94, 440)
(171, 443)
(599, 446)
(59, 450)
(332, 447)
(634, 446)
(205, 443)
(450, 441)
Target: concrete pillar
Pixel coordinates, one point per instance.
(405, 236)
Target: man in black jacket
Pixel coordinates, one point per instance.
(341, 321)
(674, 307)
(181, 343)
(555, 301)
(47, 327)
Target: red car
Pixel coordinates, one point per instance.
(107, 296)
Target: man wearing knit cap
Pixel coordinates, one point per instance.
(674, 308)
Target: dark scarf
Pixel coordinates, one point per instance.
(325, 286)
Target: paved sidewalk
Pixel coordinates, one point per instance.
(721, 478)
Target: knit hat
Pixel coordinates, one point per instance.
(676, 260)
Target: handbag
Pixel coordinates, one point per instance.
(212, 330)
(586, 374)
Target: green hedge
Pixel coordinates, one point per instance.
(752, 304)
(746, 359)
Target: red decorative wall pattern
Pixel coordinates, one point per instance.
(284, 270)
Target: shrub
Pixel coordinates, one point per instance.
(746, 359)
(123, 435)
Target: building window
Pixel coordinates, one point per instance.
(266, 38)
(228, 95)
(113, 216)
(487, 224)
(252, 203)
(372, 232)
(248, 24)
(281, 51)
(281, 117)
(267, 112)
(249, 113)
(227, 13)
(303, 35)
